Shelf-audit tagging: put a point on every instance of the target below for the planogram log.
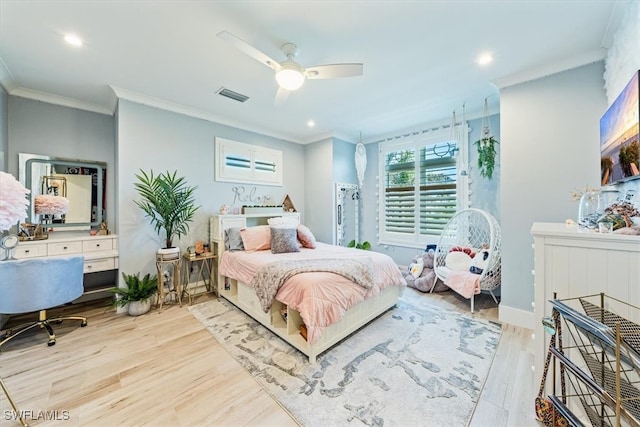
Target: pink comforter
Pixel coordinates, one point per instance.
(321, 298)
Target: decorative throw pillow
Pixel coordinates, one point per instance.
(306, 237)
(233, 239)
(283, 221)
(458, 261)
(284, 240)
(256, 238)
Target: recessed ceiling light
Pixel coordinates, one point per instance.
(73, 40)
(484, 59)
(311, 123)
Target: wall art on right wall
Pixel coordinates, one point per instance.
(619, 153)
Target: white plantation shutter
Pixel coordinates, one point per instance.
(239, 162)
(419, 187)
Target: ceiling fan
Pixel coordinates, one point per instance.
(289, 74)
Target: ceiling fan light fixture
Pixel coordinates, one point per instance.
(290, 76)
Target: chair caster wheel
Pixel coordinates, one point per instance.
(83, 324)
(51, 342)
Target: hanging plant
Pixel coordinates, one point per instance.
(486, 146)
(486, 156)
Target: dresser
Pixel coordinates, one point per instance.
(100, 257)
(574, 262)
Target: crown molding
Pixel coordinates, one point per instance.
(551, 68)
(61, 100)
(150, 101)
(6, 78)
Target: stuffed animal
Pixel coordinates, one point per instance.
(480, 261)
(420, 274)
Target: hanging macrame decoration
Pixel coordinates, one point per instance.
(486, 146)
(361, 161)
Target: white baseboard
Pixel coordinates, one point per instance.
(516, 316)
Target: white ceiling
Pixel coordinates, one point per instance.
(418, 57)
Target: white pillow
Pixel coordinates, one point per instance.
(416, 268)
(283, 221)
(458, 261)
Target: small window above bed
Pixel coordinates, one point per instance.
(239, 162)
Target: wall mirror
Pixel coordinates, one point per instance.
(82, 182)
(347, 214)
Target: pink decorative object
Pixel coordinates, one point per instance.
(13, 201)
(51, 205)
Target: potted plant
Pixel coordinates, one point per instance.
(486, 146)
(136, 296)
(364, 245)
(486, 155)
(169, 202)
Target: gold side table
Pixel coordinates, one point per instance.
(206, 264)
(175, 285)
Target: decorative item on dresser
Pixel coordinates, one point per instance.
(49, 207)
(170, 205)
(572, 262)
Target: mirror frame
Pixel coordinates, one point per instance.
(28, 174)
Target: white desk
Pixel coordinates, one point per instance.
(100, 255)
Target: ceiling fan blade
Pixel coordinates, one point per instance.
(249, 50)
(334, 71)
(281, 96)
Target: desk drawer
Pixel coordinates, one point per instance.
(97, 245)
(64, 248)
(100, 264)
(30, 251)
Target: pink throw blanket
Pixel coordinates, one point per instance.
(463, 282)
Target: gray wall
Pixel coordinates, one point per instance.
(318, 196)
(344, 169)
(550, 146)
(51, 130)
(150, 138)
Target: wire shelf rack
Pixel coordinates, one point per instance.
(599, 360)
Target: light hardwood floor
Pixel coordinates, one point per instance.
(165, 369)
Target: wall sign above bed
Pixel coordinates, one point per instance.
(246, 163)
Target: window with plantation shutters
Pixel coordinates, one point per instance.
(246, 163)
(420, 188)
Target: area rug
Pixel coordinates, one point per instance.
(419, 364)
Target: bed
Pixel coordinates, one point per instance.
(309, 309)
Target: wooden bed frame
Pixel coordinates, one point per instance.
(245, 298)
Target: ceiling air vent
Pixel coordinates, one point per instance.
(231, 94)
